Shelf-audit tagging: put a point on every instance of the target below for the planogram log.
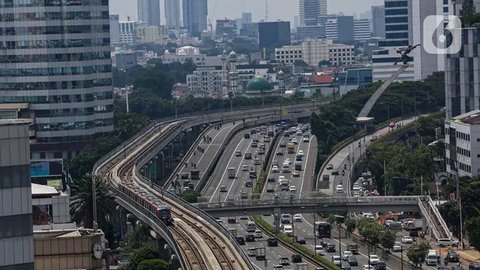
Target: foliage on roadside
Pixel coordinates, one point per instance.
(190, 195)
(417, 253)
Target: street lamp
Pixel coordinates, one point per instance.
(459, 201)
(339, 219)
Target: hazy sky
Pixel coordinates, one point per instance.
(278, 9)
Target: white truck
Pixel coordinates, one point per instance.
(231, 173)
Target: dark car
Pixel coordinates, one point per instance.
(352, 260)
(240, 240)
(331, 247)
(380, 266)
(231, 220)
(272, 242)
(271, 179)
(296, 258)
(345, 266)
(250, 238)
(474, 266)
(301, 240)
(452, 256)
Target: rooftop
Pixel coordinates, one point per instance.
(471, 118)
(41, 190)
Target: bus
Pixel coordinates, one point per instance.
(323, 229)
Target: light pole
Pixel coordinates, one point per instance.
(339, 219)
(401, 256)
(459, 201)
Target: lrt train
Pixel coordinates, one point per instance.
(147, 201)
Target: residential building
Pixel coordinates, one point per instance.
(66, 80)
(462, 87)
(246, 17)
(149, 11)
(127, 33)
(311, 10)
(361, 30)
(195, 14)
(378, 21)
(150, 33)
(462, 144)
(316, 50)
(289, 54)
(342, 55)
(208, 82)
(173, 14)
(114, 29)
(340, 29)
(404, 26)
(249, 30)
(273, 35)
(313, 52)
(16, 226)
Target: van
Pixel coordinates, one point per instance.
(432, 258)
(445, 242)
(288, 230)
(251, 226)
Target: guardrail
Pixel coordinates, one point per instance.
(430, 223)
(440, 219)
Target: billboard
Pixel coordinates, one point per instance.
(42, 168)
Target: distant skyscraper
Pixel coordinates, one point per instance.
(149, 11)
(172, 14)
(273, 35)
(362, 30)
(246, 17)
(310, 10)
(195, 14)
(340, 29)
(114, 29)
(378, 21)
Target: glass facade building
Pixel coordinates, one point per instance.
(55, 55)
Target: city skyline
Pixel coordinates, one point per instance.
(234, 8)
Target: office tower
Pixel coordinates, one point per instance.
(16, 222)
(246, 17)
(61, 68)
(311, 10)
(273, 35)
(127, 32)
(378, 21)
(195, 14)
(149, 11)
(172, 14)
(404, 26)
(361, 30)
(114, 29)
(340, 29)
(225, 28)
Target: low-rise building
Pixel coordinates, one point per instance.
(341, 54)
(289, 54)
(314, 51)
(150, 33)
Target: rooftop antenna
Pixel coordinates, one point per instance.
(266, 10)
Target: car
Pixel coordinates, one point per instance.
(254, 144)
(252, 251)
(296, 173)
(283, 261)
(300, 153)
(294, 140)
(245, 168)
(297, 218)
(243, 218)
(352, 260)
(258, 234)
(275, 169)
(329, 167)
(335, 172)
(353, 248)
(248, 183)
(280, 153)
(278, 267)
(397, 247)
(261, 151)
(474, 266)
(345, 266)
(219, 220)
(238, 153)
(248, 155)
(293, 188)
(445, 242)
(336, 260)
(296, 258)
(380, 266)
(285, 218)
(319, 250)
(331, 247)
(257, 162)
(301, 240)
(306, 139)
(249, 238)
(272, 242)
(452, 256)
(240, 240)
(288, 230)
(346, 254)
(223, 188)
(231, 220)
(367, 267)
(373, 259)
(339, 188)
(406, 239)
(270, 188)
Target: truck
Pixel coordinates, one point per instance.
(301, 266)
(413, 224)
(231, 173)
(260, 253)
(291, 148)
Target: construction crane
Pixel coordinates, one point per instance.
(266, 10)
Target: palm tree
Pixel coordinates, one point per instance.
(81, 204)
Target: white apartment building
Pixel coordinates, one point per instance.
(127, 32)
(313, 52)
(289, 54)
(208, 82)
(462, 144)
(341, 54)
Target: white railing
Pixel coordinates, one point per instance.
(430, 223)
(439, 217)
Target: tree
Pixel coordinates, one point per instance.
(81, 203)
(417, 253)
(146, 252)
(300, 63)
(190, 196)
(154, 82)
(351, 225)
(473, 231)
(138, 237)
(154, 264)
(467, 14)
(387, 238)
(370, 230)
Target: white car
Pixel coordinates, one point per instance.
(294, 141)
(288, 230)
(336, 260)
(373, 259)
(278, 267)
(245, 168)
(346, 254)
(319, 250)
(257, 234)
(293, 188)
(300, 153)
(296, 174)
(407, 239)
(397, 247)
(297, 218)
(275, 169)
(252, 251)
(367, 267)
(339, 189)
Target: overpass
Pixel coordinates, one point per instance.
(313, 205)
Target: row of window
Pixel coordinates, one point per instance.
(55, 30)
(74, 111)
(464, 167)
(64, 139)
(462, 136)
(85, 84)
(63, 57)
(58, 98)
(81, 125)
(463, 152)
(54, 3)
(50, 44)
(48, 16)
(23, 72)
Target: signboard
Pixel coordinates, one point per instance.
(56, 183)
(42, 168)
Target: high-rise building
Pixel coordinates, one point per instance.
(62, 68)
(246, 17)
(273, 35)
(225, 28)
(311, 10)
(149, 11)
(195, 14)
(127, 32)
(404, 26)
(114, 29)
(172, 14)
(16, 222)
(378, 21)
(340, 29)
(361, 30)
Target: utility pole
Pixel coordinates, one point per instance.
(401, 254)
(94, 202)
(459, 201)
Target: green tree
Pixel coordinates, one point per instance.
(154, 264)
(154, 82)
(351, 225)
(473, 231)
(190, 196)
(417, 253)
(81, 202)
(387, 238)
(146, 252)
(138, 237)
(467, 13)
(370, 230)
